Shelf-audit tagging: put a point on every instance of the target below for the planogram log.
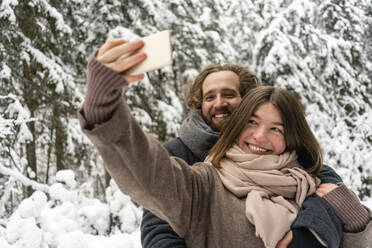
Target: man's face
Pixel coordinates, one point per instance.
(220, 97)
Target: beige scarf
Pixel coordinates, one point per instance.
(275, 187)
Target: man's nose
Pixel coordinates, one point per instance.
(220, 102)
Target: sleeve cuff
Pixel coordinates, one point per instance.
(103, 134)
(104, 91)
(348, 208)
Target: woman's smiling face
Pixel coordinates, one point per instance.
(264, 132)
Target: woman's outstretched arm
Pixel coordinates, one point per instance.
(138, 163)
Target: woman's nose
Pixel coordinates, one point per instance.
(260, 134)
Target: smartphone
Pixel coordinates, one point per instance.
(158, 50)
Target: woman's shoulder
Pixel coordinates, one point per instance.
(208, 171)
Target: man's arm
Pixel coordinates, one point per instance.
(317, 216)
(156, 233)
(346, 222)
(329, 175)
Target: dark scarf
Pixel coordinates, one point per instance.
(197, 135)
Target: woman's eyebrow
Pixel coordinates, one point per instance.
(278, 123)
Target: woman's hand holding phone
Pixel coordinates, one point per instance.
(121, 56)
(129, 58)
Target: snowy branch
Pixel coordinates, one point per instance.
(24, 180)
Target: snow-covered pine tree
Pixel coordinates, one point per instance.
(37, 71)
(349, 81)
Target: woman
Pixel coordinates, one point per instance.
(202, 203)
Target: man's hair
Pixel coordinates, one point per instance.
(193, 90)
(297, 133)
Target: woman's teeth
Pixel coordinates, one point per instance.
(257, 149)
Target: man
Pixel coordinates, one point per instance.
(212, 96)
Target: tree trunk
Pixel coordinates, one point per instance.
(60, 138)
(31, 157)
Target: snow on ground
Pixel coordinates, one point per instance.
(67, 218)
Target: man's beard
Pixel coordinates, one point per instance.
(213, 126)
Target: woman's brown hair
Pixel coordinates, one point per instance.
(193, 90)
(297, 133)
